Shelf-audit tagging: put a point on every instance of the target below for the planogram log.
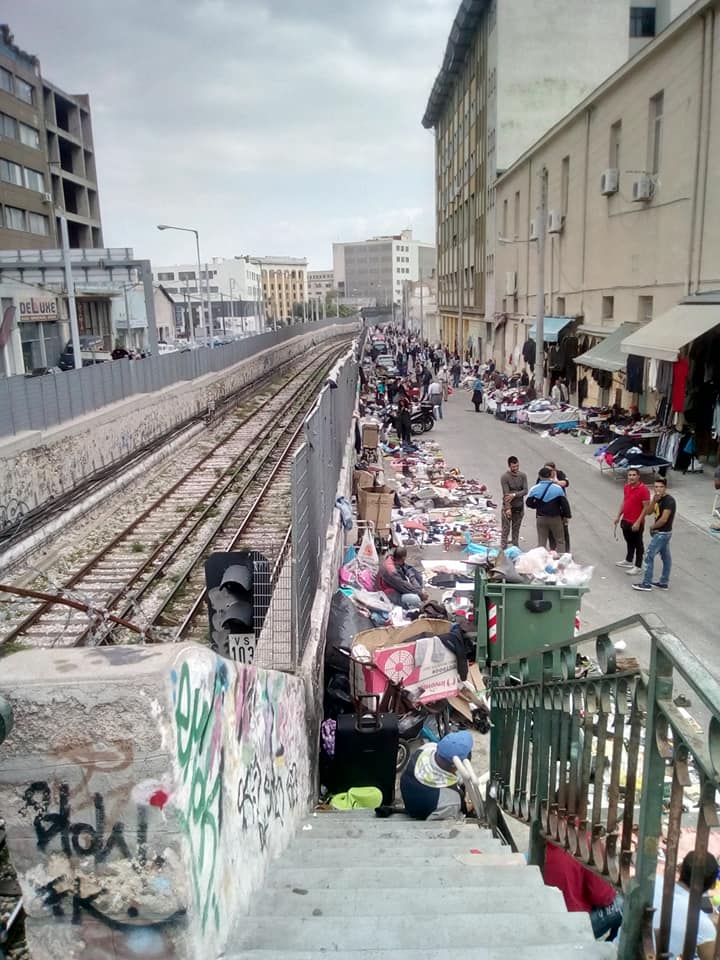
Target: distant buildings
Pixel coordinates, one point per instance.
(47, 158)
(375, 270)
(285, 287)
(321, 284)
(511, 70)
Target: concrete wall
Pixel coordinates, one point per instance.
(144, 790)
(39, 466)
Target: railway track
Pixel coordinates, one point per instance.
(150, 573)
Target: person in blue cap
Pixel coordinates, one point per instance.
(429, 784)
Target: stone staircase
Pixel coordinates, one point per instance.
(356, 887)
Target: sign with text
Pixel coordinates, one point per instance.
(37, 308)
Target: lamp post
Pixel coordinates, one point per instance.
(203, 310)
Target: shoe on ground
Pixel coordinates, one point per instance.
(661, 586)
(623, 563)
(633, 571)
(641, 586)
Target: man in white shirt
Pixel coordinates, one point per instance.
(705, 949)
(435, 396)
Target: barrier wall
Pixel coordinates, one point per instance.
(144, 791)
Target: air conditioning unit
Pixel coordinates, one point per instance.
(46, 197)
(642, 188)
(533, 230)
(556, 221)
(511, 283)
(609, 181)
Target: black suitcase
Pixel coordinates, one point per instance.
(366, 746)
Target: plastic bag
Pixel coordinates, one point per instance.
(367, 554)
(344, 621)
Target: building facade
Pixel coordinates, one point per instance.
(231, 284)
(47, 158)
(321, 284)
(375, 270)
(511, 70)
(420, 308)
(633, 212)
(285, 288)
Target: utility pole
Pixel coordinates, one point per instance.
(540, 381)
(209, 307)
(422, 315)
(70, 288)
(459, 337)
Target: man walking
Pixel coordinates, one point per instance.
(550, 503)
(631, 517)
(435, 397)
(663, 508)
(514, 490)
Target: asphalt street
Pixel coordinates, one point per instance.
(479, 445)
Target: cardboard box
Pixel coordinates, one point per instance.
(396, 654)
(376, 504)
(370, 434)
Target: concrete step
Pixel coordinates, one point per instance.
(384, 829)
(512, 951)
(449, 873)
(522, 927)
(349, 852)
(368, 902)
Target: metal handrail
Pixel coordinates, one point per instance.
(601, 765)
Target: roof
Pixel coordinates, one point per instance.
(462, 31)
(607, 354)
(551, 328)
(662, 338)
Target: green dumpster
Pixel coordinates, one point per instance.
(524, 618)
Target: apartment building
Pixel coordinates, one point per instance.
(233, 286)
(511, 70)
(375, 270)
(632, 251)
(285, 288)
(321, 284)
(47, 158)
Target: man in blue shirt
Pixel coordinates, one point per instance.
(551, 509)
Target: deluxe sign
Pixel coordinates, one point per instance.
(35, 308)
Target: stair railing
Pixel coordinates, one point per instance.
(610, 769)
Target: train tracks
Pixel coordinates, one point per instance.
(147, 582)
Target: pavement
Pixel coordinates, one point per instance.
(479, 445)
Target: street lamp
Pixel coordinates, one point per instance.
(204, 309)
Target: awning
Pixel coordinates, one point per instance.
(553, 326)
(663, 337)
(607, 355)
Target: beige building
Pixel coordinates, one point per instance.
(285, 287)
(511, 70)
(47, 159)
(321, 284)
(633, 225)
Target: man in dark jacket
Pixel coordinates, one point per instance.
(551, 508)
(429, 784)
(400, 581)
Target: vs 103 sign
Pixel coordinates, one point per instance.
(238, 596)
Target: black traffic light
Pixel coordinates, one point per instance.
(238, 594)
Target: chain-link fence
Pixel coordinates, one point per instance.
(316, 470)
(37, 403)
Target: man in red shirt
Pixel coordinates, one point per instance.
(631, 517)
(584, 891)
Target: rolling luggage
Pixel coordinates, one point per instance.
(366, 746)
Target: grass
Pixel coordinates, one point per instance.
(138, 548)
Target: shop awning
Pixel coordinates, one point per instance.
(663, 337)
(607, 355)
(553, 326)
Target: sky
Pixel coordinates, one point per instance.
(271, 126)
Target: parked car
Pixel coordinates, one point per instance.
(92, 350)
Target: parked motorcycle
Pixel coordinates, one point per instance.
(422, 419)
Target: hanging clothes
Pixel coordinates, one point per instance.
(681, 368)
(634, 374)
(529, 353)
(582, 389)
(652, 374)
(664, 377)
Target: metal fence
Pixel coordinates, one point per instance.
(316, 471)
(37, 403)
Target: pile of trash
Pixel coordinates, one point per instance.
(539, 566)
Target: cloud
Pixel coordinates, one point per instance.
(270, 125)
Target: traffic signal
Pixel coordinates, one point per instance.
(238, 595)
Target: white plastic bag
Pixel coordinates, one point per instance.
(367, 554)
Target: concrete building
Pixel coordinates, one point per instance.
(420, 308)
(511, 70)
(633, 198)
(321, 284)
(47, 158)
(285, 288)
(233, 287)
(375, 270)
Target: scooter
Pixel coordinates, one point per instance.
(422, 419)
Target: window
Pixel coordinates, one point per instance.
(6, 80)
(564, 185)
(188, 275)
(657, 107)
(8, 127)
(516, 215)
(11, 172)
(645, 309)
(608, 308)
(615, 136)
(29, 136)
(166, 276)
(24, 91)
(34, 180)
(642, 21)
(37, 223)
(14, 218)
(505, 219)
(560, 307)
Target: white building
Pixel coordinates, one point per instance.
(321, 284)
(376, 269)
(420, 308)
(233, 286)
